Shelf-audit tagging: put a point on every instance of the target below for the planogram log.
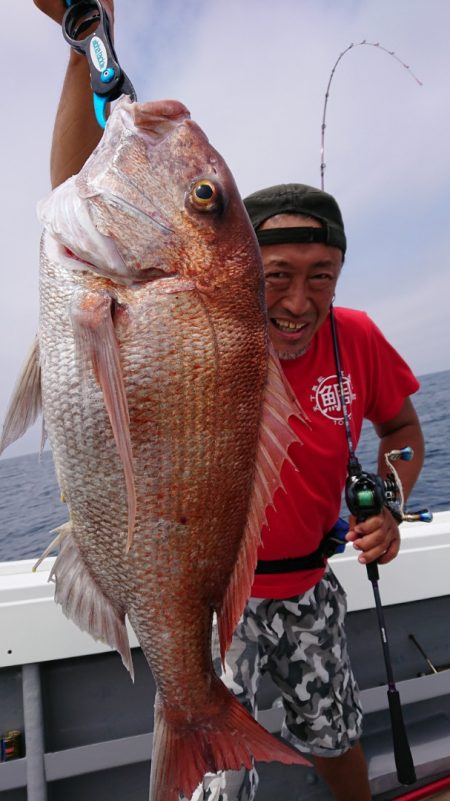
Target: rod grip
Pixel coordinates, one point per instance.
(372, 571)
(402, 753)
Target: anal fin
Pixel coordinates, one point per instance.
(83, 602)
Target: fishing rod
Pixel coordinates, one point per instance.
(327, 93)
(424, 654)
(367, 494)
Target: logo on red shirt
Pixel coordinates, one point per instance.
(327, 398)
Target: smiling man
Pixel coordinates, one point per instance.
(300, 282)
(293, 624)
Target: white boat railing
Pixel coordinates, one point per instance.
(34, 629)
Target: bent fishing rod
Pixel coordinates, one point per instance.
(366, 495)
(351, 46)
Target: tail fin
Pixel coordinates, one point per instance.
(184, 753)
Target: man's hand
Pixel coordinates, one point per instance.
(57, 8)
(53, 8)
(377, 538)
(76, 132)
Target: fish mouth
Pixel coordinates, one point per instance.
(99, 251)
(157, 118)
(144, 276)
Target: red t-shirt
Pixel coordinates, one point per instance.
(376, 383)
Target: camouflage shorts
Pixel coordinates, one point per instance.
(301, 643)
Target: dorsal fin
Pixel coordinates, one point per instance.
(26, 401)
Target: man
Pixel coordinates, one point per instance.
(293, 623)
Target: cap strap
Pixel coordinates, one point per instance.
(284, 236)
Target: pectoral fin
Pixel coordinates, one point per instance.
(26, 401)
(98, 348)
(276, 436)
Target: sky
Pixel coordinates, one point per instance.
(254, 74)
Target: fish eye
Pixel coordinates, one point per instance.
(205, 195)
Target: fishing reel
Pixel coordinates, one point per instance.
(367, 493)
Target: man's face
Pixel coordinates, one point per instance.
(300, 284)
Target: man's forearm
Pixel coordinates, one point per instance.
(408, 471)
(76, 132)
(402, 430)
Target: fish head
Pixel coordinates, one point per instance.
(155, 199)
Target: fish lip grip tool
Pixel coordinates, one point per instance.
(108, 80)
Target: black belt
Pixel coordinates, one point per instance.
(308, 562)
(331, 543)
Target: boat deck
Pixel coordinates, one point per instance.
(87, 729)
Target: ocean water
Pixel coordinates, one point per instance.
(30, 505)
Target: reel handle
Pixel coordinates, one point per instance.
(421, 516)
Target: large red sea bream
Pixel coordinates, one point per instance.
(167, 418)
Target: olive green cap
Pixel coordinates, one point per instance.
(297, 199)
